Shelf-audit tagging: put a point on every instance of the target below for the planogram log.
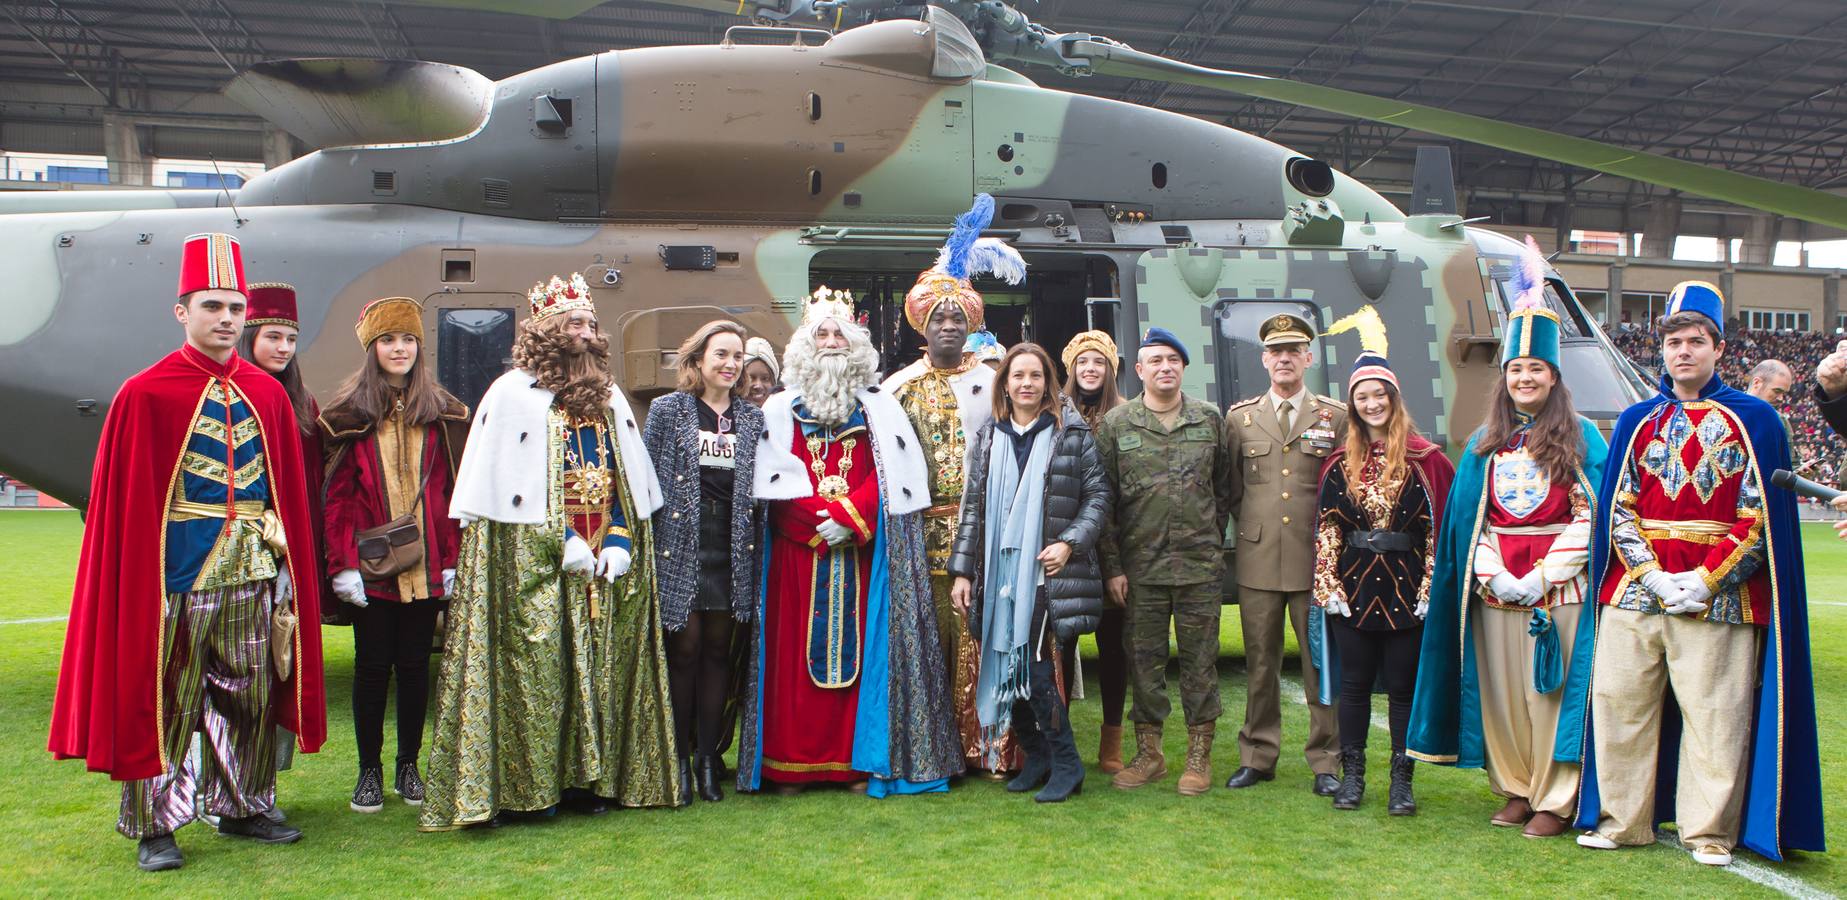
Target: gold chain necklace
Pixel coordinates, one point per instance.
(830, 487)
(593, 481)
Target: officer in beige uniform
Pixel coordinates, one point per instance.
(1279, 439)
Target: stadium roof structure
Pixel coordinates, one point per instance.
(1754, 86)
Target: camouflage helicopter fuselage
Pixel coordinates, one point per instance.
(759, 171)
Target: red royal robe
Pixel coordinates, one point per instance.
(105, 709)
(807, 729)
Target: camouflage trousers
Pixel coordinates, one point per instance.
(1193, 610)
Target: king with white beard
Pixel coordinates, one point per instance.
(848, 685)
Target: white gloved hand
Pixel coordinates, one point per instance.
(448, 582)
(577, 556)
(1423, 609)
(833, 532)
(285, 586)
(1336, 606)
(1509, 589)
(1693, 597)
(1536, 580)
(1661, 584)
(612, 564)
(348, 586)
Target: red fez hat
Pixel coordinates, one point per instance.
(211, 262)
(272, 303)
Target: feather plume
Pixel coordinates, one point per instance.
(953, 259)
(1528, 284)
(1366, 321)
(996, 257)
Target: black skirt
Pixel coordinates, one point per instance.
(714, 594)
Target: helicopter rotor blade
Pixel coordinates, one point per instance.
(1808, 204)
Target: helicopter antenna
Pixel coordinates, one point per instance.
(235, 215)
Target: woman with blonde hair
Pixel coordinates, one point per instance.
(703, 439)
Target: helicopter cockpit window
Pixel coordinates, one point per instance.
(472, 347)
(1570, 316)
(1238, 356)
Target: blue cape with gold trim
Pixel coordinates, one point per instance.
(1446, 713)
(1782, 804)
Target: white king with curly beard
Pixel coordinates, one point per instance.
(849, 684)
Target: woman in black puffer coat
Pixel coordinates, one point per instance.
(1075, 501)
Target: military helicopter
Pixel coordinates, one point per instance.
(694, 182)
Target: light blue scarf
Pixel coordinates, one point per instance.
(1014, 527)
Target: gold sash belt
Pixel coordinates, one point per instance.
(1527, 529)
(1690, 526)
(256, 513)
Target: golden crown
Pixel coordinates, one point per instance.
(826, 303)
(549, 298)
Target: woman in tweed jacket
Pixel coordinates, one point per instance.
(703, 439)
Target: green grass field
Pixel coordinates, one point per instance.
(57, 835)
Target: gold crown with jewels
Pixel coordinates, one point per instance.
(549, 298)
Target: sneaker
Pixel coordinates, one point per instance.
(274, 814)
(1596, 841)
(157, 853)
(369, 793)
(258, 828)
(409, 785)
(1712, 855)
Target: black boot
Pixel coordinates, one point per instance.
(686, 781)
(157, 853)
(1352, 777)
(1399, 801)
(1035, 755)
(706, 771)
(1054, 722)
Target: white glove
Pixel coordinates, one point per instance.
(348, 586)
(577, 556)
(1693, 597)
(1336, 606)
(1661, 584)
(448, 582)
(1423, 609)
(1536, 580)
(1509, 589)
(612, 564)
(285, 587)
(833, 532)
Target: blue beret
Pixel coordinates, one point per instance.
(1699, 297)
(1161, 337)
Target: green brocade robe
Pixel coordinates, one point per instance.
(549, 681)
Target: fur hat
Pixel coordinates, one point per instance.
(390, 314)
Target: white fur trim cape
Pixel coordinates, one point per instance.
(903, 479)
(505, 474)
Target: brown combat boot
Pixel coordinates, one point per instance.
(1109, 750)
(1149, 764)
(1197, 779)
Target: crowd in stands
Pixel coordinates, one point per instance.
(1818, 450)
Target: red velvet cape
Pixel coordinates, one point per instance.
(104, 712)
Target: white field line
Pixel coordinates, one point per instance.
(33, 621)
(1758, 873)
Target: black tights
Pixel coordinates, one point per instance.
(699, 674)
(1366, 657)
(389, 636)
(1112, 665)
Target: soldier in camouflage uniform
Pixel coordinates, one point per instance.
(1166, 459)
(1278, 439)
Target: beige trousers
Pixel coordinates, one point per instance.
(1518, 725)
(1712, 670)
(1260, 740)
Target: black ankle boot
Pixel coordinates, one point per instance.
(1399, 801)
(1352, 778)
(706, 772)
(1054, 719)
(686, 781)
(1035, 756)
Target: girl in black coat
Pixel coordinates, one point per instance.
(703, 440)
(1066, 586)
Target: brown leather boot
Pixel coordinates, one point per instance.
(1149, 764)
(1109, 750)
(1197, 779)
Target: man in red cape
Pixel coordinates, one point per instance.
(197, 493)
